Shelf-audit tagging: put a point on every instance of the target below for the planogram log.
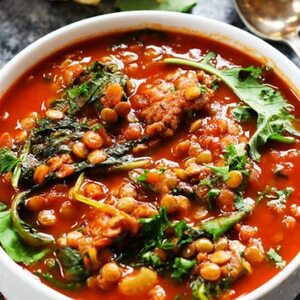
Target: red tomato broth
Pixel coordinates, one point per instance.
(31, 91)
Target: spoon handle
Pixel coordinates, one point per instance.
(294, 42)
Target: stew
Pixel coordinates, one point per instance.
(150, 164)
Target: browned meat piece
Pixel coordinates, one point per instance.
(170, 98)
(164, 116)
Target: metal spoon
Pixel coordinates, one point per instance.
(276, 20)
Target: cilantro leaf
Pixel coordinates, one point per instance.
(222, 171)
(172, 5)
(143, 177)
(276, 197)
(185, 233)
(275, 257)
(243, 204)
(182, 267)
(273, 116)
(150, 259)
(8, 160)
(154, 228)
(242, 113)
(235, 156)
(213, 193)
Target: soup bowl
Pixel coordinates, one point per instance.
(17, 283)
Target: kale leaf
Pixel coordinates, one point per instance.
(273, 111)
(8, 160)
(13, 244)
(154, 230)
(89, 87)
(72, 263)
(158, 232)
(72, 286)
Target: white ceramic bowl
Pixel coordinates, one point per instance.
(17, 283)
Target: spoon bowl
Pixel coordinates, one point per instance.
(277, 20)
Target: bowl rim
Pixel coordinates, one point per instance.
(13, 270)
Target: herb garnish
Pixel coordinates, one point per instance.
(182, 267)
(275, 197)
(275, 257)
(273, 111)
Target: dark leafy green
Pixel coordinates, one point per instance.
(154, 230)
(118, 159)
(89, 87)
(182, 267)
(220, 225)
(8, 160)
(14, 245)
(72, 262)
(27, 233)
(273, 111)
(209, 290)
(72, 286)
(159, 232)
(172, 5)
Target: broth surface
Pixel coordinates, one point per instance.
(139, 56)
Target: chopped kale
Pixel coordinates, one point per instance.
(14, 246)
(8, 160)
(159, 232)
(72, 262)
(96, 79)
(72, 286)
(182, 267)
(209, 290)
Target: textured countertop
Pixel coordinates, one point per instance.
(24, 21)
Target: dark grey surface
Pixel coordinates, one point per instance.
(24, 21)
